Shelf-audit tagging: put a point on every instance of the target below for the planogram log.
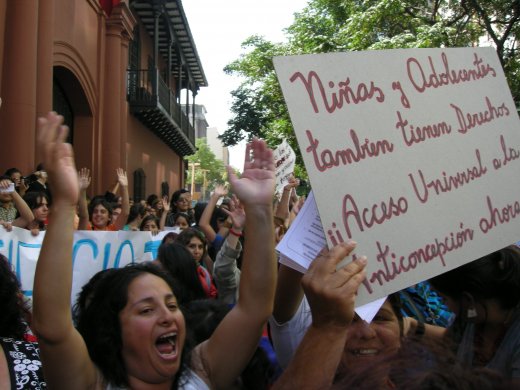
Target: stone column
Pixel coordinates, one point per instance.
(18, 112)
(44, 71)
(113, 146)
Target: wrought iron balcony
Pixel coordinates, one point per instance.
(154, 104)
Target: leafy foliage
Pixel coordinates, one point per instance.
(208, 162)
(344, 25)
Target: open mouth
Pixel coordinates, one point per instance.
(167, 345)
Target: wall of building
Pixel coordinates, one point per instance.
(87, 51)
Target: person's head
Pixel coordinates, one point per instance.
(116, 212)
(12, 320)
(194, 240)
(151, 199)
(180, 200)
(132, 325)
(368, 342)
(100, 212)
(178, 262)
(150, 223)
(137, 213)
(38, 202)
(494, 278)
(422, 364)
(182, 220)
(41, 173)
(15, 175)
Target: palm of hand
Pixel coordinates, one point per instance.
(66, 179)
(255, 186)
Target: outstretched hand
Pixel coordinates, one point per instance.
(121, 177)
(58, 159)
(84, 178)
(332, 293)
(256, 184)
(236, 213)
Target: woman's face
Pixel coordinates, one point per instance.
(100, 216)
(183, 203)
(196, 248)
(42, 210)
(150, 226)
(367, 342)
(16, 177)
(182, 223)
(152, 331)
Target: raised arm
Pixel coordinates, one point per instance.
(331, 295)
(166, 210)
(125, 202)
(205, 218)
(232, 344)
(65, 358)
(225, 269)
(26, 215)
(84, 183)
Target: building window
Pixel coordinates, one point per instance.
(139, 185)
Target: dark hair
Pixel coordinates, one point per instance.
(186, 235)
(178, 262)
(494, 276)
(183, 215)
(10, 171)
(203, 317)
(136, 210)
(198, 209)
(12, 320)
(147, 219)
(98, 318)
(33, 199)
(99, 200)
(175, 197)
(151, 199)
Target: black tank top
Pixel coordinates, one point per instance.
(23, 362)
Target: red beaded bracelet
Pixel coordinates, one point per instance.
(237, 234)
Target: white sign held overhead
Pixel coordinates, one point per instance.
(284, 159)
(413, 153)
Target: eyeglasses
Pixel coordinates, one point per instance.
(182, 200)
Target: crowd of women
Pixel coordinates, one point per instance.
(214, 310)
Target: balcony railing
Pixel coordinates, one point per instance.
(154, 104)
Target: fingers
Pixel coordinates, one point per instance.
(328, 260)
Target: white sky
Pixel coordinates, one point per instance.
(218, 29)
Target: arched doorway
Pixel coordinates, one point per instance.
(69, 99)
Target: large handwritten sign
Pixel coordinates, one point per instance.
(414, 154)
(92, 252)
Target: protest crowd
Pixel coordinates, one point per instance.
(215, 309)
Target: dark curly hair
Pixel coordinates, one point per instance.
(186, 235)
(178, 262)
(496, 275)
(97, 318)
(12, 320)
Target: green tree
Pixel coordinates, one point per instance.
(207, 164)
(331, 26)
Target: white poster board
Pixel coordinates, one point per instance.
(284, 160)
(412, 153)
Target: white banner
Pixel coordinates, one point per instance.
(412, 153)
(92, 252)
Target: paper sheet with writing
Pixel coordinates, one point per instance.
(302, 243)
(413, 153)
